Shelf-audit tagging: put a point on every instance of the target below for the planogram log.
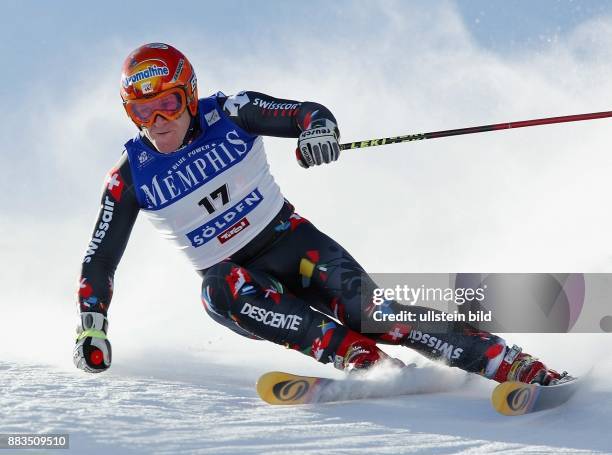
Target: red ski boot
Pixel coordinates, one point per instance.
(518, 366)
(363, 354)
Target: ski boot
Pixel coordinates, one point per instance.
(364, 354)
(518, 366)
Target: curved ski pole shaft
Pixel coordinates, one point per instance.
(474, 129)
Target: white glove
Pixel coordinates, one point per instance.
(318, 145)
(92, 352)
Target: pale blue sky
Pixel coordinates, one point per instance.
(61, 65)
(39, 40)
(512, 25)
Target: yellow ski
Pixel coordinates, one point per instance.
(516, 398)
(277, 387)
(280, 388)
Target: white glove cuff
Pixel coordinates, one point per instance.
(91, 320)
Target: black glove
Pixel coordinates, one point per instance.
(92, 352)
(318, 144)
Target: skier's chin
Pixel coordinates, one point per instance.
(165, 141)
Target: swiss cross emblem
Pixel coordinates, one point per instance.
(114, 184)
(398, 332)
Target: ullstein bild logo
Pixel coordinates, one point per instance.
(498, 302)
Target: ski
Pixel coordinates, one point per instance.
(277, 387)
(508, 398)
(517, 398)
(281, 388)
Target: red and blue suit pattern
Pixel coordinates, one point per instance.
(297, 287)
(291, 284)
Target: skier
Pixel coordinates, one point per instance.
(197, 168)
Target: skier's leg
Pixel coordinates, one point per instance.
(255, 304)
(315, 268)
(321, 272)
(330, 277)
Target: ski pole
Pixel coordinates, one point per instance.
(474, 129)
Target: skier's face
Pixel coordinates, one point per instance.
(167, 135)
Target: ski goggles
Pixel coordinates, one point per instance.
(169, 104)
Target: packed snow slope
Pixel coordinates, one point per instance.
(192, 401)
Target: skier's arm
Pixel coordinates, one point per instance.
(311, 122)
(265, 115)
(117, 215)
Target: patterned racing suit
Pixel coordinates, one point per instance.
(268, 273)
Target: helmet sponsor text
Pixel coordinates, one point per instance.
(147, 73)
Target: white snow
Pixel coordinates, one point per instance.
(194, 402)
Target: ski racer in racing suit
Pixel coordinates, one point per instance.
(198, 170)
